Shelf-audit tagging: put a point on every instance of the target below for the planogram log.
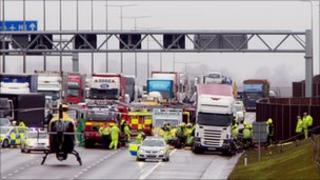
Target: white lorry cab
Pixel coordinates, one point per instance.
(50, 84)
(214, 117)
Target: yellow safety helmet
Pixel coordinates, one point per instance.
(269, 121)
(189, 125)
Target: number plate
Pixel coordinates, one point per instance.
(212, 148)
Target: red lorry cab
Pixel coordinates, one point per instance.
(74, 94)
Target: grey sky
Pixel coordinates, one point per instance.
(281, 69)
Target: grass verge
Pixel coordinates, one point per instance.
(294, 162)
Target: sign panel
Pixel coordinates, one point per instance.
(18, 25)
(259, 132)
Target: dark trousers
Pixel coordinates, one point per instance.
(105, 141)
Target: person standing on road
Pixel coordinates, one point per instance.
(22, 130)
(140, 137)
(13, 138)
(234, 130)
(80, 130)
(181, 133)
(299, 127)
(189, 134)
(270, 130)
(127, 131)
(115, 133)
(104, 131)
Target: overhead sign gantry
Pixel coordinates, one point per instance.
(167, 41)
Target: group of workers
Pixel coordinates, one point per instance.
(183, 134)
(110, 133)
(114, 135)
(304, 125)
(179, 136)
(246, 133)
(246, 137)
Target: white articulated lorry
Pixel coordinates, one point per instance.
(50, 84)
(214, 115)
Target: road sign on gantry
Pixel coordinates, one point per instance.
(18, 25)
(129, 41)
(221, 41)
(174, 41)
(85, 41)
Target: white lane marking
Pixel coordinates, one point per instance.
(148, 173)
(95, 164)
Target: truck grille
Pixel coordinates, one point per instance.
(212, 137)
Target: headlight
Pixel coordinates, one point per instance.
(163, 151)
(142, 151)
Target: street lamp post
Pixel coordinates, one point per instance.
(186, 65)
(135, 54)
(121, 26)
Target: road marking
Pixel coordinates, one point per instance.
(148, 173)
(95, 164)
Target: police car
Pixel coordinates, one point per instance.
(36, 140)
(5, 139)
(153, 148)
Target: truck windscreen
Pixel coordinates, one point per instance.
(99, 117)
(253, 95)
(54, 94)
(214, 119)
(104, 94)
(73, 92)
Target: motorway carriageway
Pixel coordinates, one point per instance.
(109, 164)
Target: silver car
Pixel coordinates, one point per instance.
(35, 141)
(153, 148)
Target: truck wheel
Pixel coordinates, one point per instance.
(166, 159)
(88, 144)
(228, 152)
(139, 159)
(5, 143)
(196, 149)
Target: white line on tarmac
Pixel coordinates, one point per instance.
(148, 173)
(94, 164)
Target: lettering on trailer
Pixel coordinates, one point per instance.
(18, 25)
(105, 83)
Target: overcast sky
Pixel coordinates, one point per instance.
(280, 69)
